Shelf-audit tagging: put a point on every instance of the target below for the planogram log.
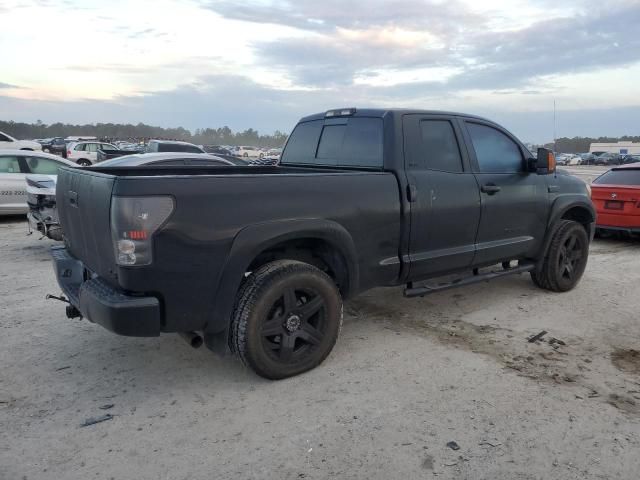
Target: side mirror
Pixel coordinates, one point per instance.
(546, 162)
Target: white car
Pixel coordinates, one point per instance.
(86, 153)
(7, 142)
(15, 165)
(248, 152)
(574, 160)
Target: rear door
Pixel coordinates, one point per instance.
(13, 189)
(91, 151)
(514, 201)
(443, 195)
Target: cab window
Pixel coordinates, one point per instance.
(495, 151)
(9, 164)
(43, 166)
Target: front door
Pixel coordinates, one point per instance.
(13, 188)
(514, 200)
(443, 195)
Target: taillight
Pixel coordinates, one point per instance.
(134, 220)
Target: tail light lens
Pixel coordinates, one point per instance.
(134, 220)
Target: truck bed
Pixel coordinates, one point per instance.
(213, 205)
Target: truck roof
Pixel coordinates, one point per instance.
(381, 112)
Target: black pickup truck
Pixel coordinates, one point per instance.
(258, 260)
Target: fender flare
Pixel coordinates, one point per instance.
(254, 239)
(560, 206)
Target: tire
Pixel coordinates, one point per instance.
(84, 162)
(565, 258)
(286, 320)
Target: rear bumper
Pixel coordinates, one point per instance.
(101, 303)
(610, 228)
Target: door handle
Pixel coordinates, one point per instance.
(490, 189)
(412, 193)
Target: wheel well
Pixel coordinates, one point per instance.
(27, 149)
(580, 215)
(317, 252)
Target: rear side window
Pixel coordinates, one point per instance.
(355, 143)
(9, 165)
(43, 166)
(302, 144)
(620, 177)
(496, 152)
(80, 148)
(439, 148)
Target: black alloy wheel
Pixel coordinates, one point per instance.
(287, 318)
(565, 259)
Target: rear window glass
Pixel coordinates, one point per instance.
(620, 177)
(355, 143)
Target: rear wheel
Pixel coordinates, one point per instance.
(84, 162)
(287, 318)
(565, 259)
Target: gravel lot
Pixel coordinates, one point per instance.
(406, 378)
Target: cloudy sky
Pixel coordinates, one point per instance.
(265, 63)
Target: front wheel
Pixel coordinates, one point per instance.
(565, 259)
(286, 320)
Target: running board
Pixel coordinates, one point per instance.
(410, 291)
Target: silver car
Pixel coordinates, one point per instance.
(14, 166)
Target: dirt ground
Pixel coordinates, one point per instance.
(406, 378)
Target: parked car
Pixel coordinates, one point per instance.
(587, 158)
(86, 153)
(562, 159)
(259, 259)
(14, 166)
(634, 158)
(172, 146)
(109, 153)
(248, 152)
(608, 158)
(56, 145)
(616, 196)
(217, 149)
(170, 159)
(7, 142)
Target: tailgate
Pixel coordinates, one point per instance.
(84, 204)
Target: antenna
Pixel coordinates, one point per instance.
(555, 147)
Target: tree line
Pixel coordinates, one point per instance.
(141, 131)
(581, 144)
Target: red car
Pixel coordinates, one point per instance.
(616, 196)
